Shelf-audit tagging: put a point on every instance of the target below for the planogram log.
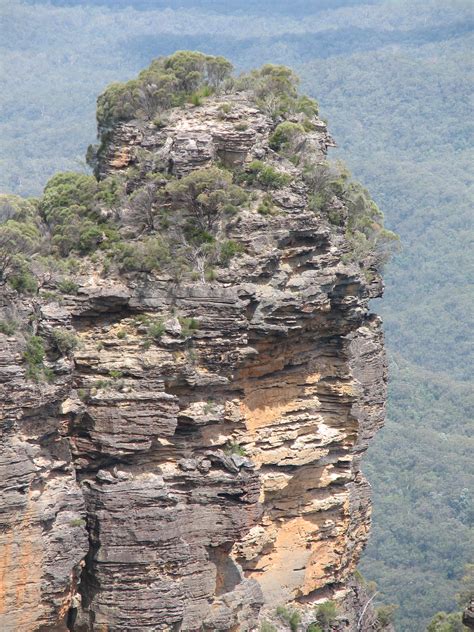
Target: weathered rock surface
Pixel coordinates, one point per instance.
(193, 483)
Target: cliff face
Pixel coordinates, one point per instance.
(199, 480)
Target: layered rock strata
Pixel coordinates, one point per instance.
(198, 481)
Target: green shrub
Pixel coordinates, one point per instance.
(8, 327)
(142, 256)
(258, 172)
(307, 106)
(267, 627)
(67, 286)
(225, 108)
(228, 250)
(326, 613)
(314, 627)
(234, 448)
(115, 374)
(266, 206)
(156, 329)
(64, 340)
(18, 241)
(285, 135)
(205, 194)
(385, 615)
(195, 99)
(23, 282)
(290, 616)
(188, 326)
(78, 522)
(34, 356)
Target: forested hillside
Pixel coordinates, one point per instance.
(393, 78)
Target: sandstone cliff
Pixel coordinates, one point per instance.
(194, 461)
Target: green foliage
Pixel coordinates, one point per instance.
(188, 326)
(155, 329)
(260, 173)
(78, 522)
(17, 208)
(66, 190)
(314, 627)
(68, 286)
(286, 135)
(8, 327)
(167, 82)
(64, 340)
(232, 447)
(386, 615)
(204, 194)
(267, 627)
(367, 238)
(34, 357)
(23, 281)
(290, 616)
(225, 108)
(115, 374)
(444, 622)
(266, 206)
(228, 250)
(326, 613)
(18, 240)
(141, 256)
(71, 205)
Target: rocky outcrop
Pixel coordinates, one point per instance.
(197, 480)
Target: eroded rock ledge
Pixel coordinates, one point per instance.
(200, 481)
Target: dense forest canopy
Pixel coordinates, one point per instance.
(393, 78)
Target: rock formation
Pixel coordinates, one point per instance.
(197, 477)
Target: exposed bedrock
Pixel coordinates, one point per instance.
(192, 483)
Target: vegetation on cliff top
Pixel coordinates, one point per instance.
(144, 218)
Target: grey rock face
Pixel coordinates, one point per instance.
(196, 481)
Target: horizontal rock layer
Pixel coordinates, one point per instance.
(196, 481)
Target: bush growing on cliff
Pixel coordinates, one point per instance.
(446, 622)
(358, 214)
(71, 209)
(142, 256)
(8, 327)
(18, 240)
(64, 340)
(364, 230)
(34, 356)
(290, 616)
(204, 195)
(275, 89)
(257, 172)
(286, 137)
(143, 207)
(326, 614)
(167, 82)
(68, 286)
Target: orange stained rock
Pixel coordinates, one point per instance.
(296, 565)
(263, 406)
(121, 158)
(21, 571)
